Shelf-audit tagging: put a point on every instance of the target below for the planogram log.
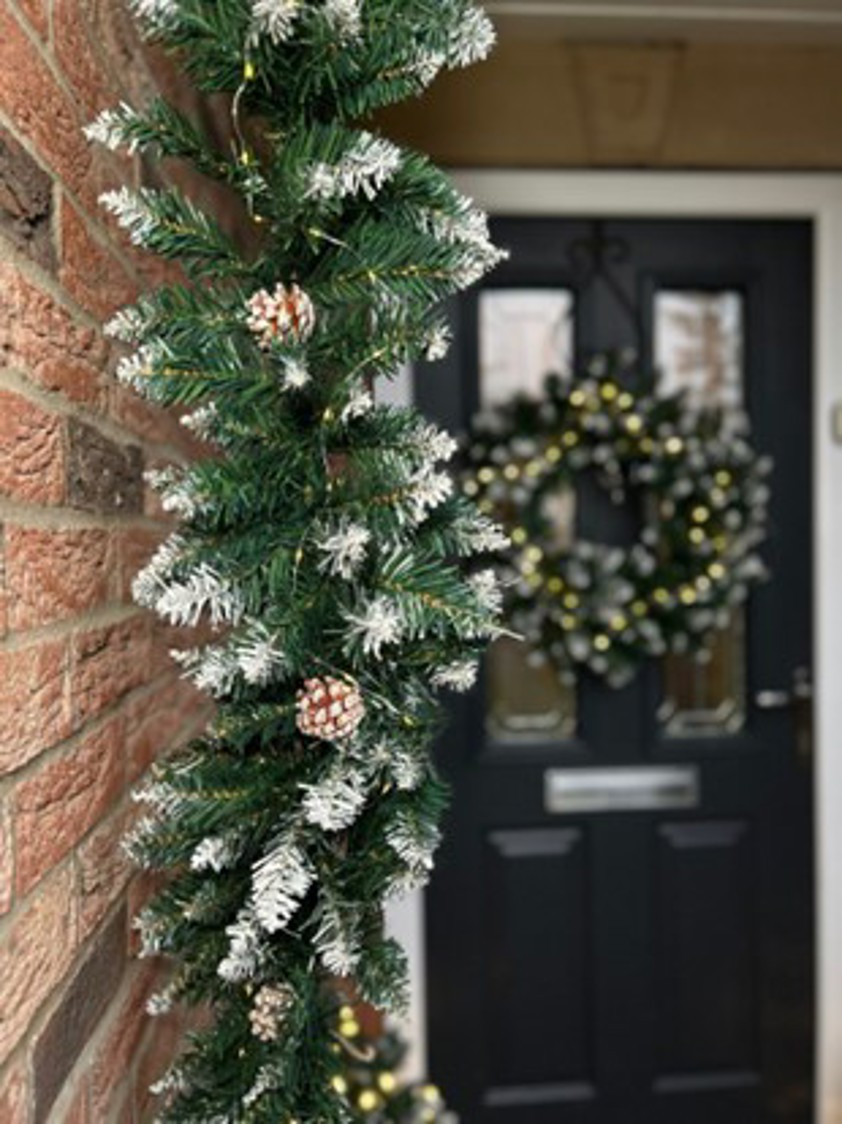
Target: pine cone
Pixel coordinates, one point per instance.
(287, 315)
(330, 709)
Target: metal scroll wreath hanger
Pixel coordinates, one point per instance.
(597, 257)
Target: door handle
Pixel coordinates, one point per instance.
(799, 698)
(800, 692)
(773, 700)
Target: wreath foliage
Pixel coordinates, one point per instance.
(693, 475)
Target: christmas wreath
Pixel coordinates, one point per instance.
(701, 492)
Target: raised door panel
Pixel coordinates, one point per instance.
(537, 967)
(706, 995)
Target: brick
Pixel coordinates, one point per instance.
(35, 956)
(7, 868)
(41, 339)
(134, 549)
(156, 723)
(89, 270)
(13, 1096)
(159, 1049)
(77, 1016)
(36, 15)
(142, 889)
(56, 807)
(26, 203)
(102, 476)
(43, 113)
(34, 708)
(165, 638)
(104, 868)
(4, 600)
(78, 55)
(31, 451)
(73, 1105)
(120, 1045)
(107, 663)
(124, 53)
(79, 1109)
(153, 507)
(148, 421)
(52, 575)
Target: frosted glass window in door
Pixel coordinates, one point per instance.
(523, 335)
(527, 702)
(707, 698)
(700, 347)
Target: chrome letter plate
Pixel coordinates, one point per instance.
(636, 789)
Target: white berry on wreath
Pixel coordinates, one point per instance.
(266, 1017)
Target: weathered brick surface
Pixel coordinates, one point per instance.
(52, 575)
(79, 1111)
(78, 55)
(104, 869)
(168, 638)
(142, 889)
(156, 1054)
(75, 1018)
(26, 202)
(107, 663)
(4, 599)
(134, 548)
(42, 340)
(34, 706)
(31, 451)
(54, 808)
(13, 1096)
(154, 723)
(35, 955)
(121, 1043)
(36, 15)
(6, 859)
(150, 422)
(38, 107)
(92, 273)
(73, 1106)
(102, 476)
(89, 700)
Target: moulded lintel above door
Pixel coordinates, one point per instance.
(790, 21)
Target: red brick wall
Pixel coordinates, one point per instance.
(88, 696)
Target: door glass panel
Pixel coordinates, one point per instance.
(699, 346)
(526, 700)
(700, 350)
(524, 334)
(707, 697)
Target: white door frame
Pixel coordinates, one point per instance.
(736, 195)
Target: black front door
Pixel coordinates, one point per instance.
(624, 966)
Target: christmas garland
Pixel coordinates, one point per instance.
(323, 546)
(702, 496)
(371, 1078)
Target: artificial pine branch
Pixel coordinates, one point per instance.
(322, 543)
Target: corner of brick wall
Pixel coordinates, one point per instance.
(88, 696)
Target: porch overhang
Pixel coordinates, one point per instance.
(786, 21)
